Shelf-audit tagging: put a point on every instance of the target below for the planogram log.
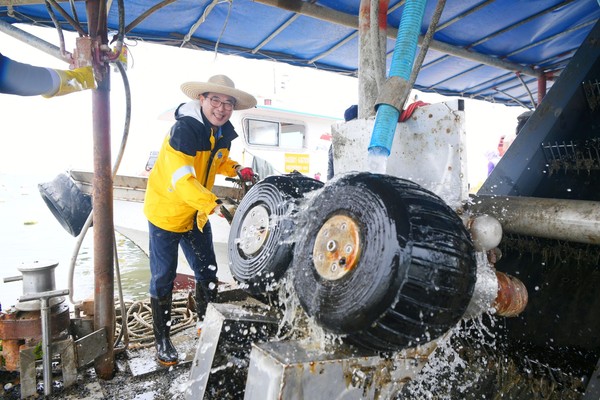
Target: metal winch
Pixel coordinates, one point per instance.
(37, 277)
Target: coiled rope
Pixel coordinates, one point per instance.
(139, 321)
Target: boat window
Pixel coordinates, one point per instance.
(292, 136)
(275, 134)
(264, 133)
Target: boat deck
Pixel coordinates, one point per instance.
(137, 376)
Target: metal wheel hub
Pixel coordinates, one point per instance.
(337, 247)
(254, 230)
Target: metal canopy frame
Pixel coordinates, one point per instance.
(493, 50)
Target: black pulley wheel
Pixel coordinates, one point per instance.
(260, 249)
(67, 202)
(383, 261)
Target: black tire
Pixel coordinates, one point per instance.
(67, 202)
(266, 214)
(413, 273)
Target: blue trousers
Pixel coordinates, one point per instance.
(197, 247)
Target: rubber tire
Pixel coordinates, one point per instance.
(416, 272)
(280, 195)
(67, 202)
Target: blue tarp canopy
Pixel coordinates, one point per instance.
(490, 50)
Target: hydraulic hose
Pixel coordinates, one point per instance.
(400, 70)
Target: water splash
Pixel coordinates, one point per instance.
(377, 162)
(444, 376)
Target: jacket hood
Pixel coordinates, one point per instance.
(189, 109)
(192, 109)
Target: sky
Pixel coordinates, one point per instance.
(48, 136)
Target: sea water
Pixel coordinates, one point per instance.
(29, 233)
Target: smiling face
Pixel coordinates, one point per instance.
(217, 108)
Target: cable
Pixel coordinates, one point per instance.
(61, 37)
(123, 332)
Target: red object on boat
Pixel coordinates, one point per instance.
(404, 115)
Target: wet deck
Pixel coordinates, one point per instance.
(138, 376)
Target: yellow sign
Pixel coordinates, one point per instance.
(297, 162)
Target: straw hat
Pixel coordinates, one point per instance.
(219, 84)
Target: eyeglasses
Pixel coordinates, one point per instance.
(216, 103)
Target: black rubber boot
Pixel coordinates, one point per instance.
(161, 318)
(206, 292)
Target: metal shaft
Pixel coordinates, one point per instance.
(104, 303)
(569, 220)
(34, 41)
(46, 344)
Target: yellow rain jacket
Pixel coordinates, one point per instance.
(180, 183)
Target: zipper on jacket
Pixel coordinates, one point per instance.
(212, 155)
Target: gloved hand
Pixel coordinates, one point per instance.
(74, 81)
(246, 174)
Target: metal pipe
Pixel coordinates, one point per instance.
(67, 17)
(146, 14)
(533, 103)
(542, 83)
(569, 220)
(371, 54)
(426, 41)
(103, 225)
(34, 41)
(104, 305)
(46, 345)
(496, 292)
(351, 21)
(512, 296)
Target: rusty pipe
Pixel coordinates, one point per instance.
(569, 220)
(512, 296)
(104, 303)
(496, 292)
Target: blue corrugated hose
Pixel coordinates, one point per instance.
(401, 66)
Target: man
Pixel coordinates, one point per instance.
(179, 198)
(29, 80)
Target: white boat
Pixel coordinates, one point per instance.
(273, 141)
(129, 219)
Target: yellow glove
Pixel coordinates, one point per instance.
(74, 81)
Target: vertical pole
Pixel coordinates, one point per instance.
(47, 349)
(372, 25)
(104, 313)
(541, 82)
